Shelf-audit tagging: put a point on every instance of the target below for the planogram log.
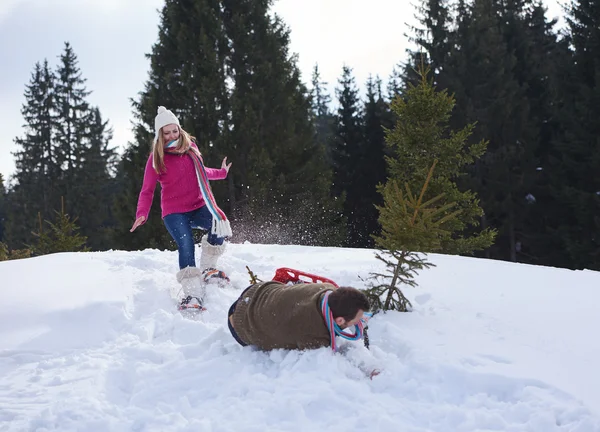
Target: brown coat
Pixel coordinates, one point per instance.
(272, 315)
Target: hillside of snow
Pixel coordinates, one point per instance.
(93, 342)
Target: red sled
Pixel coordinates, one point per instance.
(286, 275)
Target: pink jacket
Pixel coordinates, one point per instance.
(180, 191)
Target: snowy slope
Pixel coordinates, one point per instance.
(91, 342)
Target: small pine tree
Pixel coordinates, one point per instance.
(421, 134)
(6, 254)
(418, 141)
(409, 225)
(62, 236)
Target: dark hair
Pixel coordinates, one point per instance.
(345, 302)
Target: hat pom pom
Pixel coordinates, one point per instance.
(161, 109)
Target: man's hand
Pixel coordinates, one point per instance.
(374, 372)
(137, 223)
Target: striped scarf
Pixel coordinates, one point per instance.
(335, 330)
(220, 223)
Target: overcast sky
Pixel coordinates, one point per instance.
(111, 38)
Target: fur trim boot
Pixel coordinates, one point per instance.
(190, 279)
(210, 254)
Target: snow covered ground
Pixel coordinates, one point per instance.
(91, 342)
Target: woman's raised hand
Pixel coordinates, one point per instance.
(225, 165)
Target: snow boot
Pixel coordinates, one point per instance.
(193, 287)
(214, 276)
(191, 303)
(210, 254)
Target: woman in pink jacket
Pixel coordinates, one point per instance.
(186, 201)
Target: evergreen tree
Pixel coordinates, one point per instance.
(7, 254)
(62, 236)
(376, 119)
(548, 215)
(349, 152)
(37, 165)
(322, 117)
(529, 35)
(82, 145)
(434, 39)
(395, 82)
(421, 136)
(411, 224)
(58, 156)
(503, 63)
(576, 181)
(503, 176)
(287, 177)
(483, 70)
(95, 183)
(71, 136)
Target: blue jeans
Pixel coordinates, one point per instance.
(180, 227)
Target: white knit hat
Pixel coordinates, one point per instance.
(163, 118)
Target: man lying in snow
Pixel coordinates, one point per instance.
(271, 315)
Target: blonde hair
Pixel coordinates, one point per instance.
(184, 144)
